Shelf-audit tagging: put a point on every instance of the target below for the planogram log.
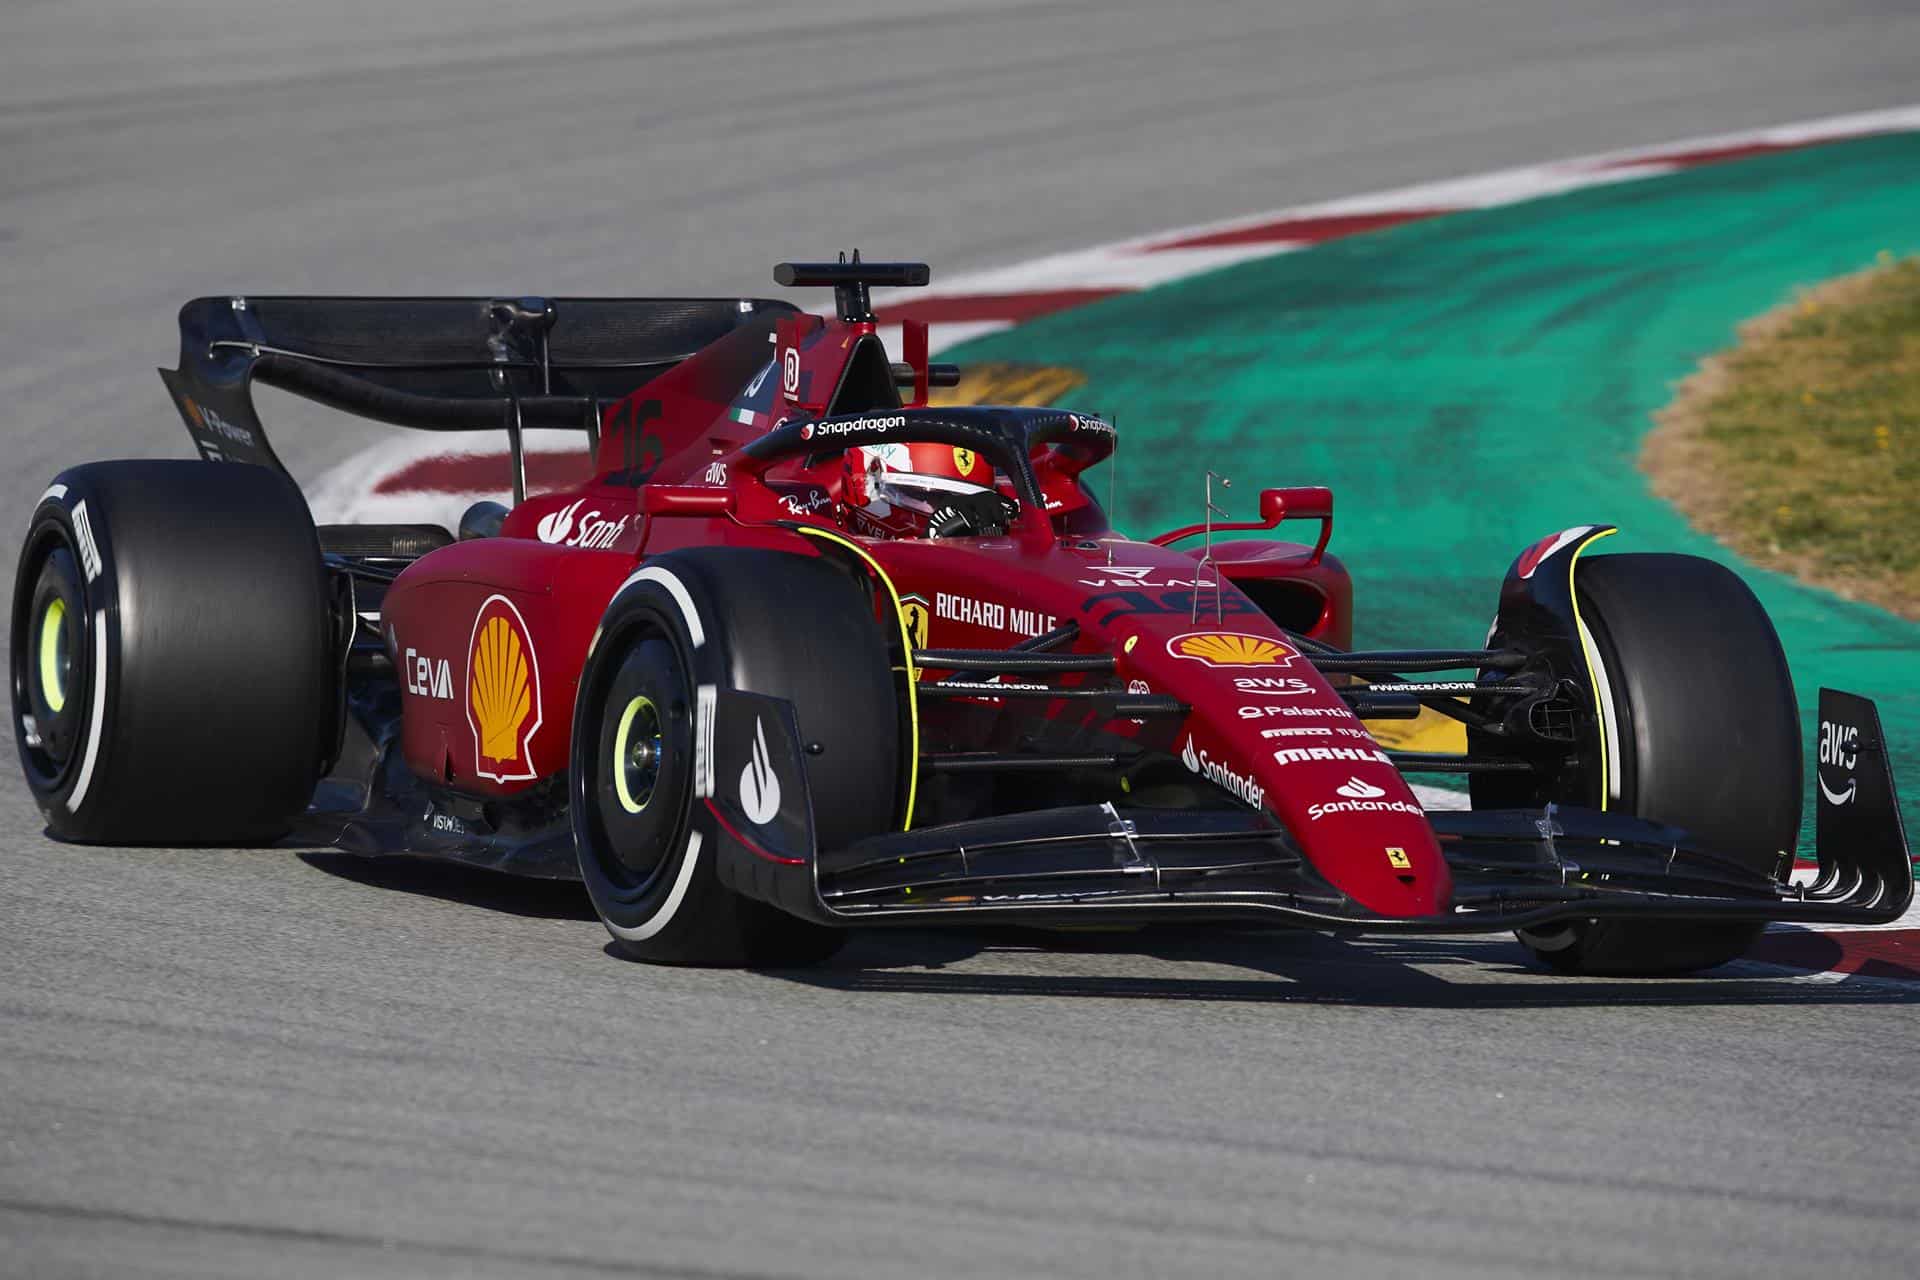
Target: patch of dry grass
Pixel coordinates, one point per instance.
(1800, 447)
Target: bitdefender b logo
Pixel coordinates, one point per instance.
(759, 785)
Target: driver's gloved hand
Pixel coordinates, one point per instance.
(973, 515)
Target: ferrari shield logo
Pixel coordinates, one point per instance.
(963, 460)
(503, 692)
(913, 614)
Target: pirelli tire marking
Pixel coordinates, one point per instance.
(705, 697)
(96, 721)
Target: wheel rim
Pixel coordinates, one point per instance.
(637, 750)
(51, 669)
(639, 772)
(56, 655)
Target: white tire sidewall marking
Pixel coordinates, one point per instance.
(1608, 715)
(79, 793)
(681, 596)
(97, 717)
(683, 879)
(671, 907)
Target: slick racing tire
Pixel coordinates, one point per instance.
(1706, 735)
(172, 670)
(765, 622)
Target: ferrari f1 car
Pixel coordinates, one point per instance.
(808, 652)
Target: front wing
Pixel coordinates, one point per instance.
(1511, 869)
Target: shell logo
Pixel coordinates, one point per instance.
(503, 692)
(1231, 649)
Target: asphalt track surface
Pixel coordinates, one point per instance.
(257, 1062)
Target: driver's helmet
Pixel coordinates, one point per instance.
(910, 490)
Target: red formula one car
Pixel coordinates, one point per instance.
(806, 653)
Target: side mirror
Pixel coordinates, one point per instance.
(1307, 502)
(685, 500)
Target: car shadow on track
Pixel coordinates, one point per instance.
(453, 882)
(1487, 972)
(1279, 966)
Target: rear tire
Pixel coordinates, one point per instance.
(1708, 736)
(172, 672)
(767, 622)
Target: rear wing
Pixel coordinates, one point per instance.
(439, 364)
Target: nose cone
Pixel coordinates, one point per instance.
(1292, 747)
(1267, 729)
(1349, 810)
(1398, 873)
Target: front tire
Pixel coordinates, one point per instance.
(1707, 733)
(767, 622)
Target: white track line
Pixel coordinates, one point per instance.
(1134, 263)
